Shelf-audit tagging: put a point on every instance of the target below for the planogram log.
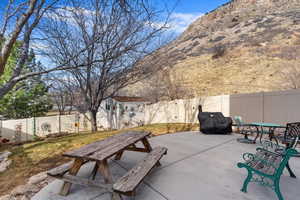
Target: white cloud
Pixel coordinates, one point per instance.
(67, 14)
(180, 21)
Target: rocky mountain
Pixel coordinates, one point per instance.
(243, 46)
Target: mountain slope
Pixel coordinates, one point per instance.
(240, 22)
(243, 46)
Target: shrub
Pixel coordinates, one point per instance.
(219, 51)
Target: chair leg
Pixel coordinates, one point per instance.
(277, 190)
(261, 135)
(246, 182)
(257, 134)
(290, 170)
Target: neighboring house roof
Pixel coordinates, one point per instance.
(67, 108)
(129, 99)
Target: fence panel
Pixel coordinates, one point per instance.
(17, 130)
(282, 107)
(248, 106)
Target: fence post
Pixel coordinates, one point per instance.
(0, 127)
(59, 123)
(77, 119)
(34, 126)
(222, 103)
(263, 107)
(18, 133)
(26, 132)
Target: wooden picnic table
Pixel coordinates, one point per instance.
(100, 152)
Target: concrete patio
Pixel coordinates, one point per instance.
(196, 167)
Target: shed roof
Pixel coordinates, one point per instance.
(129, 99)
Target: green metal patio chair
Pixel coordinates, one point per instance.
(244, 129)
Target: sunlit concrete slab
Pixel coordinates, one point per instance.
(196, 167)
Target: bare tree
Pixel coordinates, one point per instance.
(114, 39)
(61, 97)
(65, 95)
(18, 22)
(290, 76)
(166, 85)
(23, 17)
(289, 73)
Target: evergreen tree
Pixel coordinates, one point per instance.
(29, 98)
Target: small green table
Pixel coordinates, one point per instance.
(271, 129)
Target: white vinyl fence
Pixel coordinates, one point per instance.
(185, 111)
(277, 107)
(25, 129)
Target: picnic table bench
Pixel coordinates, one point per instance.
(265, 167)
(100, 152)
(127, 184)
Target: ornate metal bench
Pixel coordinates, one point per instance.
(265, 167)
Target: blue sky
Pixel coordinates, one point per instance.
(184, 13)
(196, 6)
(187, 11)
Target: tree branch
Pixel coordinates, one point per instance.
(8, 44)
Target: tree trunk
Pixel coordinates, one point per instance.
(93, 114)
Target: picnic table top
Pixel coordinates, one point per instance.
(106, 148)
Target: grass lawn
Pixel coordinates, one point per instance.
(34, 157)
